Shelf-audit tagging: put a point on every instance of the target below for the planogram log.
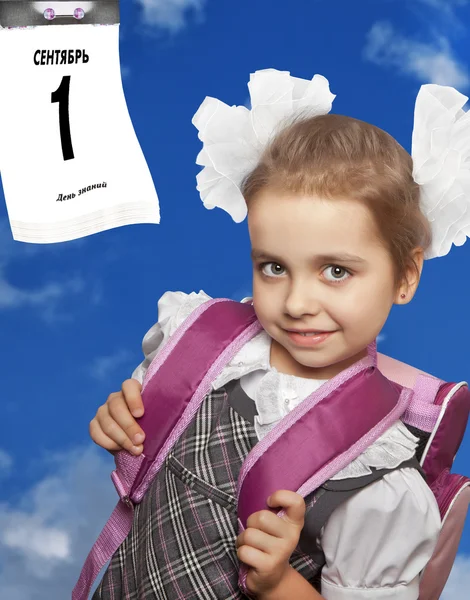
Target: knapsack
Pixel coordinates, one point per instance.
(180, 377)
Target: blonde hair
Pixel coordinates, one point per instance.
(335, 156)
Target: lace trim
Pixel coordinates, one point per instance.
(395, 446)
(188, 305)
(278, 394)
(253, 356)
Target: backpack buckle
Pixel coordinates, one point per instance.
(122, 489)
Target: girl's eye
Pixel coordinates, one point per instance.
(272, 269)
(337, 274)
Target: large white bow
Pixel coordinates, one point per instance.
(441, 165)
(234, 138)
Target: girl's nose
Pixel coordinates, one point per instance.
(299, 303)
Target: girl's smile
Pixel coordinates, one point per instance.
(309, 339)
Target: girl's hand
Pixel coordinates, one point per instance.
(268, 541)
(114, 427)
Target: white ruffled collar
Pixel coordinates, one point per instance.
(276, 394)
(253, 356)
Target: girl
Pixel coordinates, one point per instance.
(338, 233)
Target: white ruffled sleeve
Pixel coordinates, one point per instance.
(173, 309)
(377, 543)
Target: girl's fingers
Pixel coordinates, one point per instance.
(293, 505)
(254, 558)
(108, 426)
(256, 539)
(118, 410)
(269, 523)
(131, 389)
(101, 439)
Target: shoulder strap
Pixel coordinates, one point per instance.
(179, 378)
(175, 384)
(422, 412)
(320, 436)
(438, 413)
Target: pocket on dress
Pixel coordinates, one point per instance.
(199, 485)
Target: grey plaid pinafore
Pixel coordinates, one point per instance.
(182, 542)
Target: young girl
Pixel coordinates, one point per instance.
(338, 237)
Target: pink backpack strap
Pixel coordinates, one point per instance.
(176, 382)
(111, 537)
(422, 413)
(330, 431)
(179, 379)
(453, 404)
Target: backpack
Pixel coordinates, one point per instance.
(180, 376)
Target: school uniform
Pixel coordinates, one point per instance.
(368, 533)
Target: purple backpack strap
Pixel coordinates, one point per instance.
(176, 382)
(322, 435)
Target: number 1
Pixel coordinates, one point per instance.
(61, 95)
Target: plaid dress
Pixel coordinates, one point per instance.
(182, 542)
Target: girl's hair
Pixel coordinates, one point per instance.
(333, 156)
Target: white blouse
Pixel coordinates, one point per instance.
(376, 543)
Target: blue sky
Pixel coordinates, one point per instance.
(72, 315)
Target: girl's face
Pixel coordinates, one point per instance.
(319, 267)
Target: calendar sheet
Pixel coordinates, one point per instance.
(70, 162)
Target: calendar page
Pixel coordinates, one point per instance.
(70, 161)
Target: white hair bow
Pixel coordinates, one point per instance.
(441, 165)
(234, 138)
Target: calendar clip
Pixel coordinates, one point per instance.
(50, 14)
(32, 13)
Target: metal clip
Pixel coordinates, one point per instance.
(127, 501)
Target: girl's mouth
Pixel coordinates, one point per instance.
(310, 338)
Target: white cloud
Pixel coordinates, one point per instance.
(459, 581)
(11, 296)
(170, 14)
(428, 62)
(47, 299)
(28, 535)
(447, 11)
(103, 366)
(45, 538)
(446, 6)
(6, 463)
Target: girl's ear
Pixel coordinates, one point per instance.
(408, 287)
